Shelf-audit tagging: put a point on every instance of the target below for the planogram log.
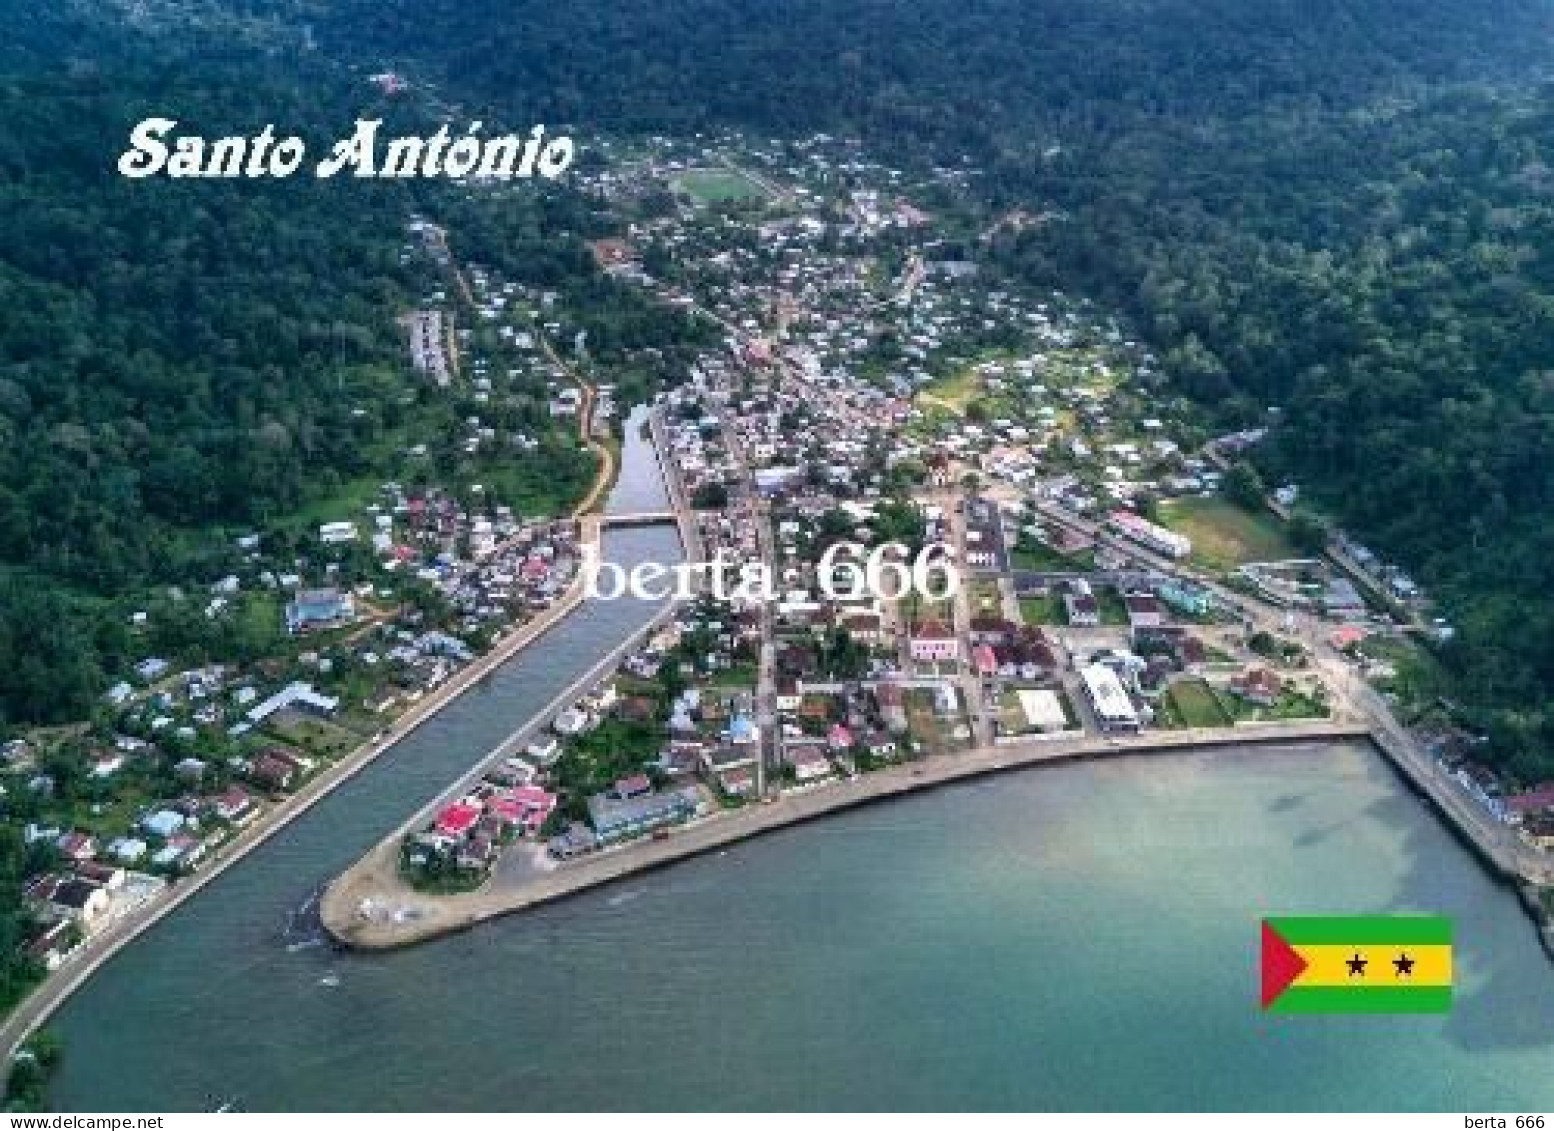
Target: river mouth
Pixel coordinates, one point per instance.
(1001, 943)
(914, 954)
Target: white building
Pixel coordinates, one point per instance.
(1109, 699)
(1147, 533)
(1043, 710)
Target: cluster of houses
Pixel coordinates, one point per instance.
(468, 833)
(429, 346)
(851, 406)
(95, 880)
(356, 618)
(1529, 811)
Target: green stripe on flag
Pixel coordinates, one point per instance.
(1364, 930)
(1363, 999)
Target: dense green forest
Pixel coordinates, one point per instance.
(183, 361)
(1338, 208)
(1407, 346)
(175, 356)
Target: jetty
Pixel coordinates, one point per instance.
(370, 907)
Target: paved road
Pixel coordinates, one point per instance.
(585, 432)
(755, 511)
(424, 917)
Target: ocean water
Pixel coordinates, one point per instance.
(1081, 936)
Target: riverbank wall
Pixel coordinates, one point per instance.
(428, 917)
(34, 1010)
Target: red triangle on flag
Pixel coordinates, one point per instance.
(1282, 964)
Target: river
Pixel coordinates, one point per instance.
(1079, 936)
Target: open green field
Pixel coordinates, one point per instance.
(716, 186)
(984, 599)
(953, 393)
(1113, 609)
(313, 735)
(1011, 718)
(1292, 704)
(1224, 535)
(743, 674)
(916, 608)
(1196, 704)
(1042, 558)
(932, 731)
(1043, 610)
(1418, 681)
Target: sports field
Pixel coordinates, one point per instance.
(953, 393)
(716, 186)
(1224, 535)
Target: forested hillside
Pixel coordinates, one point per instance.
(1387, 281)
(173, 355)
(983, 71)
(1338, 207)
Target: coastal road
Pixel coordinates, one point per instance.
(418, 917)
(972, 688)
(1357, 700)
(754, 510)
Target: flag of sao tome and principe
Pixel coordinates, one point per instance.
(1357, 964)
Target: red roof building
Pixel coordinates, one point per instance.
(1258, 685)
(634, 786)
(984, 660)
(933, 641)
(505, 809)
(457, 819)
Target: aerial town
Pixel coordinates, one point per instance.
(1117, 582)
(874, 393)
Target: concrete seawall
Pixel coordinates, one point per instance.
(419, 918)
(35, 1009)
(55, 990)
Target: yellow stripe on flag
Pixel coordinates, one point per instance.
(1374, 965)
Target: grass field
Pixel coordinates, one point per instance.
(930, 729)
(1041, 558)
(1291, 705)
(1113, 609)
(1224, 535)
(953, 393)
(313, 736)
(1011, 719)
(984, 599)
(1196, 704)
(917, 608)
(716, 186)
(1418, 680)
(1043, 610)
(740, 675)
